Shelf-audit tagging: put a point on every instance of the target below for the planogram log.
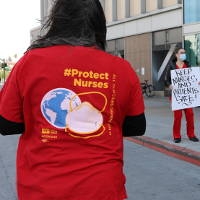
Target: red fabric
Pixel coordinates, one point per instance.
(184, 66)
(177, 122)
(46, 90)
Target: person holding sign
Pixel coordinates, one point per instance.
(179, 62)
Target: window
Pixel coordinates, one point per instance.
(116, 47)
(191, 11)
(127, 8)
(160, 4)
(170, 36)
(143, 6)
(192, 47)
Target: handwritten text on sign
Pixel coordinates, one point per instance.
(186, 90)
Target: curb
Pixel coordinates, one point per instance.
(181, 153)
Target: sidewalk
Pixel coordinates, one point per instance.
(159, 131)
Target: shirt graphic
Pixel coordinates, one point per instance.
(63, 109)
(55, 106)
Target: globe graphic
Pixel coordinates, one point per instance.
(55, 106)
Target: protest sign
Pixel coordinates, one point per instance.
(186, 88)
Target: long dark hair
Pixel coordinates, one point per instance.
(74, 22)
(174, 59)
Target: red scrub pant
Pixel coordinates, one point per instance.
(189, 115)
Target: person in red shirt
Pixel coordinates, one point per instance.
(72, 103)
(180, 62)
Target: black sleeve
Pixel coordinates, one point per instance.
(168, 77)
(134, 125)
(10, 128)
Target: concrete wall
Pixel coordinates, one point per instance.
(167, 3)
(151, 5)
(121, 9)
(108, 10)
(168, 18)
(191, 29)
(135, 7)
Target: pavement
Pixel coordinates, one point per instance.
(158, 137)
(158, 134)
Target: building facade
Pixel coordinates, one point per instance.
(45, 6)
(191, 31)
(146, 32)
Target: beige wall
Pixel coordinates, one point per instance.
(108, 10)
(120, 9)
(135, 7)
(167, 3)
(151, 5)
(138, 53)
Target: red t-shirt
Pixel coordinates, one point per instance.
(73, 101)
(184, 66)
